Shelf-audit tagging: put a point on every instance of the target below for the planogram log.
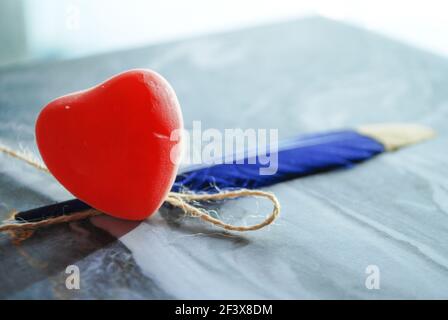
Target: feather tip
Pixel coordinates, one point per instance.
(397, 135)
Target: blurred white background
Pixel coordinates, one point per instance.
(48, 29)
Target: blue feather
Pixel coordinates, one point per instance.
(299, 157)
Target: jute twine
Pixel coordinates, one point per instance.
(22, 230)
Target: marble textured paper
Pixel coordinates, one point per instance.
(303, 76)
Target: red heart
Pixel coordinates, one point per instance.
(110, 145)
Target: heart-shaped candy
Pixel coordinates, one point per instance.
(110, 145)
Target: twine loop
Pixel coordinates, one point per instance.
(181, 200)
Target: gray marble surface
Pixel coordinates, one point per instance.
(301, 76)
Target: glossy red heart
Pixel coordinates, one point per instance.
(110, 145)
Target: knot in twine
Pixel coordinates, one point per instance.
(22, 230)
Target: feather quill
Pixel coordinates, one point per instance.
(297, 157)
